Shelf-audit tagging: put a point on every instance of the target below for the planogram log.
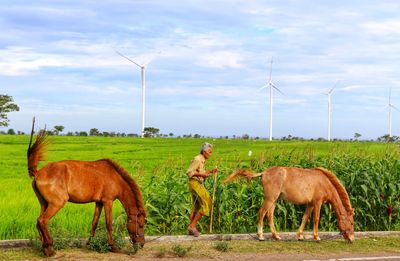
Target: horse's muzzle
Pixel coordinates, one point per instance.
(350, 239)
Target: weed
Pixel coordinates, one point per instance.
(99, 241)
(161, 252)
(180, 251)
(62, 239)
(221, 246)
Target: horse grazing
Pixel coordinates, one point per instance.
(311, 187)
(101, 181)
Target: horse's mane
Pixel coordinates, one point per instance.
(339, 187)
(132, 184)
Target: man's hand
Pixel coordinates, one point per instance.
(212, 171)
(215, 170)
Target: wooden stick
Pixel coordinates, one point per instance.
(212, 201)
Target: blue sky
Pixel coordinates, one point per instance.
(206, 63)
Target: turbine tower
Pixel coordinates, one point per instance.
(271, 86)
(329, 93)
(143, 77)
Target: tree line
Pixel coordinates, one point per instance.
(7, 105)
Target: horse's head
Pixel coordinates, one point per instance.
(346, 226)
(135, 225)
(240, 172)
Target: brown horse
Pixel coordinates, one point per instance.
(311, 187)
(101, 181)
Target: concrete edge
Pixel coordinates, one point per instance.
(21, 243)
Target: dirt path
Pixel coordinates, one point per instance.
(252, 250)
(83, 254)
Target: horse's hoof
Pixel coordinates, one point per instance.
(260, 237)
(49, 252)
(317, 239)
(276, 237)
(115, 249)
(300, 237)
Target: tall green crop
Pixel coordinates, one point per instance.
(370, 173)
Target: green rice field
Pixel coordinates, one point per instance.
(370, 172)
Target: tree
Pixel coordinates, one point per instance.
(245, 136)
(387, 138)
(151, 132)
(94, 132)
(6, 105)
(11, 132)
(83, 133)
(357, 135)
(58, 129)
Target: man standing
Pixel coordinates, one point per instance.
(201, 198)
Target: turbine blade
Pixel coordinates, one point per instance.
(337, 82)
(120, 54)
(263, 87)
(394, 107)
(276, 88)
(270, 69)
(152, 58)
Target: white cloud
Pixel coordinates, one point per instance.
(382, 28)
(19, 60)
(221, 59)
(214, 92)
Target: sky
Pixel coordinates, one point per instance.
(205, 64)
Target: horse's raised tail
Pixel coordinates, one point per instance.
(36, 152)
(248, 174)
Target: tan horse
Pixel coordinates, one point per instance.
(101, 181)
(311, 187)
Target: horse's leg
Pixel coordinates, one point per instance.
(43, 206)
(304, 221)
(270, 217)
(42, 201)
(95, 221)
(260, 227)
(43, 220)
(108, 214)
(317, 210)
(265, 208)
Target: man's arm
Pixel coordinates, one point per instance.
(192, 170)
(205, 174)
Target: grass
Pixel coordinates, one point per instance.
(202, 249)
(370, 172)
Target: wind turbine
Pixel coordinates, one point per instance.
(271, 87)
(143, 77)
(329, 94)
